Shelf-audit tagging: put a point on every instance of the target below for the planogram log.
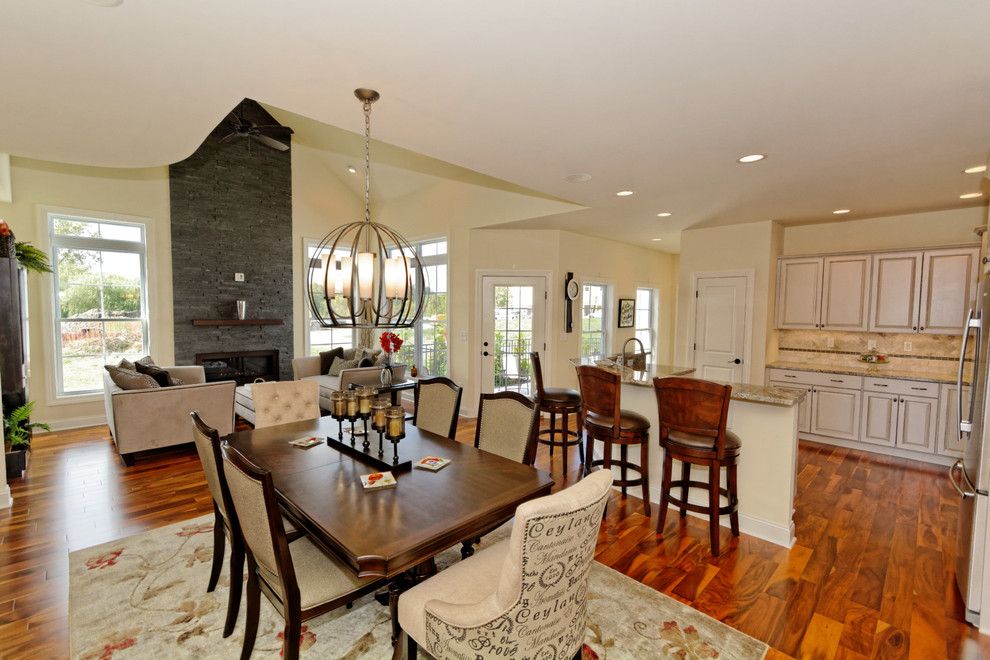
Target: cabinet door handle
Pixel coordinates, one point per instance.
(920, 389)
(915, 328)
(789, 376)
(922, 328)
(881, 385)
(836, 380)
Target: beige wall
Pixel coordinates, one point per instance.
(142, 193)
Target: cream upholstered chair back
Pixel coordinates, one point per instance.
(507, 424)
(285, 401)
(207, 441)
(438, 400)
(545, 572)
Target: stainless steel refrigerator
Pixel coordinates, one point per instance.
(971, 475)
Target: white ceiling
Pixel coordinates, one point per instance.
(874, 106)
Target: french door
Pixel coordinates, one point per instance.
(513, 324)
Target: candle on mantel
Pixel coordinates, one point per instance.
(378, 408)
(352, 403)
(396, 423)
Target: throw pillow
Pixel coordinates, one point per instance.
(366, 362)
(130, 380)
(126, 364)
(146, 360)
(160, 375)
(327, 357)
(380, 359)
(341, 364)
(350, 353)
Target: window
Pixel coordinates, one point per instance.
(100, 298)
(646, 318)
(318, 338)
(426, 344)
(594, 329)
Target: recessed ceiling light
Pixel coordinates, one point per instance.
(580, 177)
(656, 239)
(352, 169)
(664, 214)
(624, 193)
(976, 169)
(971, 195)
(752, 158)
(840, 211)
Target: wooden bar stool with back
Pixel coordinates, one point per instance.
(605, 420)
(692, 415)
(562, 401)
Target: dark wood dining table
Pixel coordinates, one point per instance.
(387, 533)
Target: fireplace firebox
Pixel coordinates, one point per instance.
(241, 366)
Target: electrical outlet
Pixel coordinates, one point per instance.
(907, 347)
(871, 344)
(238, 277)
(830, 342)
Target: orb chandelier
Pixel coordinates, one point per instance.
(366, 275)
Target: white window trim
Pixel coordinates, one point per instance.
(307, 312)
(50, 315)
(432, 261)
(607, 308)
(654, 316)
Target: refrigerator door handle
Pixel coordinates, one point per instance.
(957, 468)
(965, 425)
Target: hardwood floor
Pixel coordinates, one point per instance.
(871, 575)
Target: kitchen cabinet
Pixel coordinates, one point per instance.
(799, 292)
(895, 292)
(917, 423)
(835, 412)
(846, 292)
(879, 419)
(804, 408)
(949, 443)
(948, 288)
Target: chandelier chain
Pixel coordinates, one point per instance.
(367, 161)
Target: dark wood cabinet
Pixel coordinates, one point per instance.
(13, 335)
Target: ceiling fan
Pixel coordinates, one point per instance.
(263, 133)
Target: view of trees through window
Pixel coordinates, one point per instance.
(646, 317)
(513, 339)
(594, 301)
(426, 344)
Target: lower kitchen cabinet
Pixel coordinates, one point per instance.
(917, 423)
(949, 443)
(879, 419)
(804, 408)
(835, 412)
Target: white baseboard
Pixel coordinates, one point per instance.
(6, 501)
(78, 422)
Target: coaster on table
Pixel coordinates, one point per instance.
(432, 463)
(306, 442)
(378, 481)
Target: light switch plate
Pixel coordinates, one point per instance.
(238, 277)
(907, 347)
(871, 344)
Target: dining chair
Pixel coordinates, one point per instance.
(605, 420)
(286, 401)
(299, 579)
(437, 403)
(558, 401)
(207, 441)
(693, 416)
(488, 601)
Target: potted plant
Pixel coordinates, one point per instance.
(28, 256)
(17, 432)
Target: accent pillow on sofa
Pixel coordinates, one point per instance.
(366, 362)
(160, 375)
(126, 379)
(327, 358)
(339, 364)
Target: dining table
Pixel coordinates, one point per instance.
(389, 533)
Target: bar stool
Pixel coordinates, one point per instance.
(692, 430)
(558, 400)
(605, 420)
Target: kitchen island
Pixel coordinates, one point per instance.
(765, 418)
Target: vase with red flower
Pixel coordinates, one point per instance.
(391, 343)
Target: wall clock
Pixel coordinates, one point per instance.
(571, 290)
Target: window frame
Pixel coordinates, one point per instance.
(654, 313)
(308, 244)
(56, 242)
(428, 261)
(606, 330)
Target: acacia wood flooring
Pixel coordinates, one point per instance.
(872, 573)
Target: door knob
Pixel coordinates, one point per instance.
(736, 361)
(485, 353)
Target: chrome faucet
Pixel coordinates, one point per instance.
(642, 349)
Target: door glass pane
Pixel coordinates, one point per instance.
(513, 339)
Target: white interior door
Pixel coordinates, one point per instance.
(513, 324)
(720, 328)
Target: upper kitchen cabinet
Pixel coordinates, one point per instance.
(846, 292)
(896, 289)
(799, 293)
(948, 288)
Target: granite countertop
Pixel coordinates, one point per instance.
(775, 396)
(874, 371)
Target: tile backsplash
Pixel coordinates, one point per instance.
(928, 352)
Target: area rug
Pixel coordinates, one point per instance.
(145, 596)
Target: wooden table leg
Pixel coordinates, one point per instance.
(394, 589)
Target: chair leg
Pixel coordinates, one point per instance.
(467, 549)
(644, 470)
(411, 647)
(713, 502)
(685, 477)
(580, 438)
(623, 462)
(290, 641)
(589, 452)
(664, 491)
(219, 540)
(236, 586)
(733, 500)
(563, 448)
(553, 427)
(253, 610)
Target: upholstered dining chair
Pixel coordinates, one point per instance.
(483, 606)
(299, 579)
(438, 400)
(285, 401)
(207, 441)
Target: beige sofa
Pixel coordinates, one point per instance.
(308, 368)
(159, 417)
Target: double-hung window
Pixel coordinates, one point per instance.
(426, 343)
(646, 318)
(318, 338)
(100, 297)
(594, 327)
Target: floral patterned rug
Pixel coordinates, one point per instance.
(145, 596)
